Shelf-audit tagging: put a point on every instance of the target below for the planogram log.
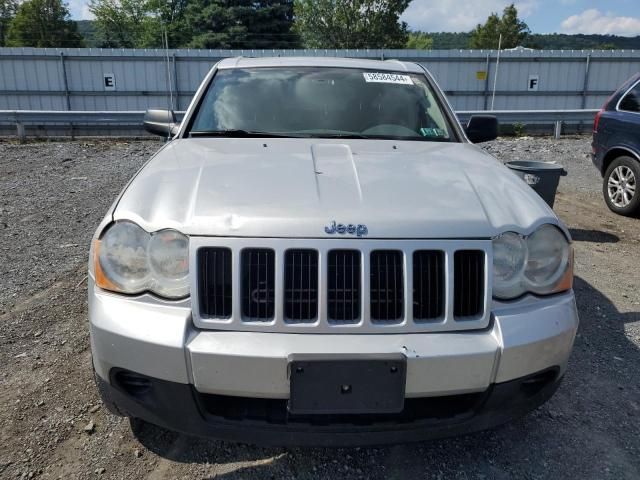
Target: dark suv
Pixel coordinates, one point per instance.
(616, 148)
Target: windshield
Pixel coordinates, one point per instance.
(321, 102)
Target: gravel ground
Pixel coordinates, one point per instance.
(52, 425)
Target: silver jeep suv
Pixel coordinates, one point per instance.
(321, 256)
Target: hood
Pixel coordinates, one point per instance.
(297, 187)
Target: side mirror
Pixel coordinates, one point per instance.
(482, 128)
(161, 122)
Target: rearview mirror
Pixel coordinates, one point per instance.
(482, 128)
(161, 122)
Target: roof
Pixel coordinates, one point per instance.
(381, 65)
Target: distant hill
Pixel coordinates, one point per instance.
(88, 30)
(560, 41)
(460, 40)
(545, 41)
(450, 40)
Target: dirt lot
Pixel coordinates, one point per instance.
(51, 423)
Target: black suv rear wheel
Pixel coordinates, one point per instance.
(620, 186)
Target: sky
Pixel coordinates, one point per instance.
(615, 17)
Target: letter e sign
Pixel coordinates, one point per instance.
(534, 80)
(109, 82)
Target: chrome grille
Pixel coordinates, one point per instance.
(340, 285)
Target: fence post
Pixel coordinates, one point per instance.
(585, 86)
(486, 81)
(175, 82)
(65, 84)
(20, 131)
(557, 130)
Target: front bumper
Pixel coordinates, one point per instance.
(160, 342)
(266, 422)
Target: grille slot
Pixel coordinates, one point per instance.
(469, 286)
(301, 285)
(258, 284)
(428, 285)
(214, 285)
(387, 285)
(343, 285)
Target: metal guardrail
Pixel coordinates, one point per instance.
(528, 117)
(43, 117)
(533, 116)
(52, 117)
(20, 118)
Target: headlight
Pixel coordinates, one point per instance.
(549, 258)
(509, 261)
(541, 263)
(169, 262)
(127, 259)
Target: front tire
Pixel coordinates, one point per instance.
(620, 186)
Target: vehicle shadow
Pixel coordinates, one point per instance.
(596, 236)
(594, 415)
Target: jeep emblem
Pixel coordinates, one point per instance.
(350, 229)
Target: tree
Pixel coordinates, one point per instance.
(43, 23)
(241, 24)
(140, 23)
(351, 23)
(419, 41)
(7, 12)
(513, 30)
(170, 16)
(120, 23)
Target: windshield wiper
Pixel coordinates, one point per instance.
(342, 135)
(380, 137)
(239, 133)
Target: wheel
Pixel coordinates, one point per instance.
(620, 186)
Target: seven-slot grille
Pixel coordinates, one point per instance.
(413, 289)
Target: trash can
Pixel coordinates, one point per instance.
(543, 177)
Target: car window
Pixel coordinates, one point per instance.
(631, 101)
(323, 102)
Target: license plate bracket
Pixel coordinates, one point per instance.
(347, 386)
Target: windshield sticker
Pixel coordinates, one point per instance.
(375, 77)
(433, 132)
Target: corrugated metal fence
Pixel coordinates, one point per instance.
(104, 79)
